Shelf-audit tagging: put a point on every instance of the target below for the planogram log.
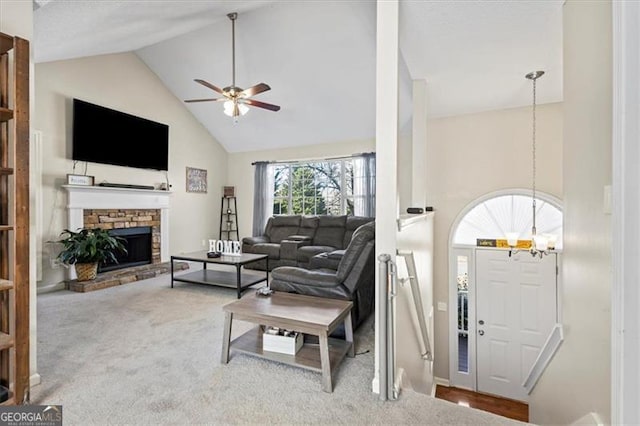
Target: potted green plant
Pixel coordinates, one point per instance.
(87, 248)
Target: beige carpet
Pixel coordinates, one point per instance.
(144, 353)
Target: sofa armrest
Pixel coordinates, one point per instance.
(328, 260)
(289, 248)
(255, 240)
(336, 254)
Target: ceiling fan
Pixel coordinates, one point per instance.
(236, 100)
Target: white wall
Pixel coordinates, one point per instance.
(577, 381)
(240, 171)
(123, 82)
(471, 155)
(16, 18)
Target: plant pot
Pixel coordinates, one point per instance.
(86, 271)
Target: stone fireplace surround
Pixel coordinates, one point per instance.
(127, 218)
(121, 207)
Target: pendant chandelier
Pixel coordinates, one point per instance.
(541, 244)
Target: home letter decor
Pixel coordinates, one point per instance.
(229, 248)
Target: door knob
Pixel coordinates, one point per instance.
(481, 332)
(481, 322)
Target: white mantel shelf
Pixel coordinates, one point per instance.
(83, 197)
(102, 197)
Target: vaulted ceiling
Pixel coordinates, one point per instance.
(318, 57)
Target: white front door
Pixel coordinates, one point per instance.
(515, 312)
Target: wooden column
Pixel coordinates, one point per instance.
(21, 227)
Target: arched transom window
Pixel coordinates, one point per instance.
(495, 217)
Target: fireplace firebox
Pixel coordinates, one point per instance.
(138, 243)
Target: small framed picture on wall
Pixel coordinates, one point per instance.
(229, 191)
(196, 180)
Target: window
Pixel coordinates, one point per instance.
(315, 187)
(496, 216)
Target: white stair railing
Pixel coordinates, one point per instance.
(417, 301)
(389, 388)
(549, 349)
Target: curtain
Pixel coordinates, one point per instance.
(364, 185)
(262, 196)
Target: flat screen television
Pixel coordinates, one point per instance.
(104, 135)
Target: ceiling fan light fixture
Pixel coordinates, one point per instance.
(228, 108)
(243, 108)
(236, 101)
(233, 108)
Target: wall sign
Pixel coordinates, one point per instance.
(80, 180)
(196, 180)
(487, 242)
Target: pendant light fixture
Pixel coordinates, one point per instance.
(541, 244)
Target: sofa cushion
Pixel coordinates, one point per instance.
(283, 226)
(255, 240)
(289, 248)
(330, 231)
(316, 278)
(270, 249)
(306, 253)
(286, 220)
(308, 226)
(353, 223)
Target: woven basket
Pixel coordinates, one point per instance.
(86, 271)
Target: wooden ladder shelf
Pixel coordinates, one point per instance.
(14, 218)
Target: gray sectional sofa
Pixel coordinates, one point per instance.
(309, 242)
(353, 279)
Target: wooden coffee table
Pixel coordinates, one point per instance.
(317, 316)
(236, 279)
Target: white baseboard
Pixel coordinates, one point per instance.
(398, 385)
(591, 419)
(35, 380)
(440, 381)
(51, 288)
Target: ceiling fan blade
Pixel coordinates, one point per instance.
(209, 85)
(206, 100)
(259, 104)
(258, 88)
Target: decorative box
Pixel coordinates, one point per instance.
(282, 341)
